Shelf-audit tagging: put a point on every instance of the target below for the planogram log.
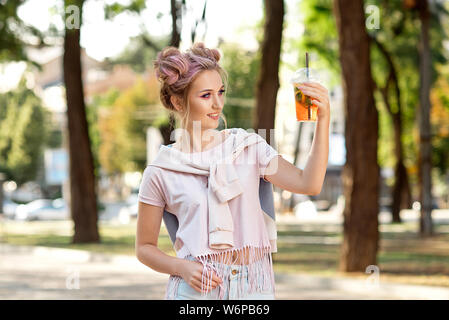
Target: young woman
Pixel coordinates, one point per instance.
(209, 180)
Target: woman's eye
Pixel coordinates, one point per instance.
(208, 94)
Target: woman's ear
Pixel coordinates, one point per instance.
(176, 103)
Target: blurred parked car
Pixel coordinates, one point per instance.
(129, 210)
(29, 191)
(9, 208)
(43, 209)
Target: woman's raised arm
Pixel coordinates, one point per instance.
(287, 176)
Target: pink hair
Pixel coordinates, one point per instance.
(176, 70)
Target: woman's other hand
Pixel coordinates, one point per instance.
(192, 272)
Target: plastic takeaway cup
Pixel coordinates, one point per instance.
(305, 110)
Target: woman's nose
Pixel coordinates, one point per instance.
(217, 102)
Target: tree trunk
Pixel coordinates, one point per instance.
(83, 200)
(268, 82)
(401, 189)
(176, 18)
(2, 180)
(425, 145)
(295, 160)
(198, 21)
(176, 22)
(361, 170)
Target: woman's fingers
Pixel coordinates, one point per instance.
(216, 278)
(196, 284)
(316, 85)
(319, 95)
(317, 103)
(197, 278)
(314, 93)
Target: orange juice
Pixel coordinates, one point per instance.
(305, 110)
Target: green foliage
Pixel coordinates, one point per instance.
(242, 68)
(119, 139)
(143, 48)
(320, 37)
(23, 133)
(15, 34)
(114, 9)
(440, 122)
(138, 54)
(385, 142)
(10, 45)
(92, 114)
(54, 140)
(399, 33)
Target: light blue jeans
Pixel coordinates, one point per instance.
(235, 286)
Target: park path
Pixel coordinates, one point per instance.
(51, 273)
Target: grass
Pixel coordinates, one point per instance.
(403, 257)
(115, 239)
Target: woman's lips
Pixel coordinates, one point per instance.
(214, 117)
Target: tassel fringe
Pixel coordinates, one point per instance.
(258, 262)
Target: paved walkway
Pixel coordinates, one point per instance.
(50, 273)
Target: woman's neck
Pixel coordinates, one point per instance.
(199, 142)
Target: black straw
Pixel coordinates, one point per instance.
(309, 109)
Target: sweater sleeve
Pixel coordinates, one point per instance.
(265, 153)
(151, 190)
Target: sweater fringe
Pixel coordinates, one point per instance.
(259, 267)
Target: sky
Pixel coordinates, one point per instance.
(231, 20)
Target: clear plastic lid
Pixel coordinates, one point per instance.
(304, 75)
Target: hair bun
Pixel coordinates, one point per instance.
(170, 65)
(200, 49)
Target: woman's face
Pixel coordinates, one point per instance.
(206, 100)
